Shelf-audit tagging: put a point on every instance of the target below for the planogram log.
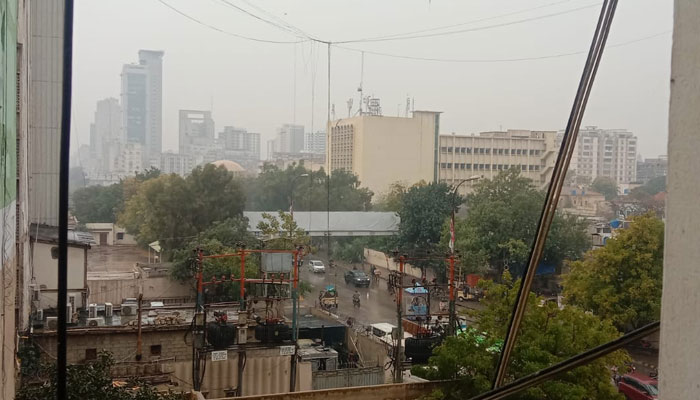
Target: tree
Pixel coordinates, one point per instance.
(282, 232)
(97, 203)
(621, 282)
(423, 212)
(500, 227)
(392, 199)
(90, 381)
(171, 209)
(274, 189)
(654, 186)
(547, 335)
(605, 186)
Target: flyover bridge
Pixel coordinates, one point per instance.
(341, 224)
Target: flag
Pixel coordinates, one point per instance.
(452, 235)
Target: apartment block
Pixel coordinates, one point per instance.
(488, 153)
(651, 168)
(610, 153)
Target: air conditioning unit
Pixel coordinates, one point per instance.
(128, 309)
(98, 321)
(92, 310)
(39, 315)
(71, 301)
(109, 310)
(242, 333)
(69, 313)
(52, 323)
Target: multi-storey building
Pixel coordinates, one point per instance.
(382, 150)
(610, 153)
(196, 132)
(651, 168)
(142, 99)
(488, 153)
(315, 142)
(173, 163)
(129, 161)
(240, 146)
(289, 139)
(105, 133)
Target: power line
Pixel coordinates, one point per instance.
(243, 10)
(212, 27)
(467, 22)
(498, 60)
(520, 21)
(280, 20)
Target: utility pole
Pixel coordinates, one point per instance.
(295, 311)
(199, 324)
(139, 353)
(398, 359)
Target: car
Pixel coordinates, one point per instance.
(316, 266)
(357, 278)
(638, 387)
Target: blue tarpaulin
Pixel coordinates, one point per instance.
(543, 269)
(417, 290)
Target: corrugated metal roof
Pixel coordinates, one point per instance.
(342, 223)
(50, 234)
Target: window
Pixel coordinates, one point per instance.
(481, 150)
(443, 165)
(449, 149)
(54, 253)
(488, 151)
(469, 166)
(443, 149)
(469, 150)
(523, 167)
(518, 151)
(507, 151)
(90, 354)
(155, 350)
(120, 235)
(449, 165)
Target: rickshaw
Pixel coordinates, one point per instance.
(328, 298)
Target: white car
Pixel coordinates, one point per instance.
(317, 266)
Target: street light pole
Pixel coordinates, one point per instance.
(453, 322)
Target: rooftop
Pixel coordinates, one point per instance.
(46, 233)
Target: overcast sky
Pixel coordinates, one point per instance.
(251, 84)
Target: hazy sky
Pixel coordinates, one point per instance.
(251, 84)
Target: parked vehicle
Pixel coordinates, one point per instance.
(638, 387)
(357, 278)
(316, 266)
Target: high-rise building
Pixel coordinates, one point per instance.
(289, 139)
(651, 168)
(240, 139)
(173, 163)
(463, 156)
(196, 132)
(105, 132)
(142, 99)
(382, 150)
(153, 61)
(610, 153)
(315, 142)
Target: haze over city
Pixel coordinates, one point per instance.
(251, 84)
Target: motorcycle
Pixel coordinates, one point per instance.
(356, 302)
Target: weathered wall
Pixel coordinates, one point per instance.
(404, 391)
(680, 326)
(379, 259)
(113, 288)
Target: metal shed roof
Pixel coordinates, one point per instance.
(342, 223)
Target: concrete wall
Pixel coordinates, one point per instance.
(104, 288)
(680, 325)
(405, 391)
(379, 259)
(46, 267)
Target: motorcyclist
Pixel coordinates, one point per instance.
(356, 298)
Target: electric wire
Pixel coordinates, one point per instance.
(271, 23)
(212, 27)
(481, 28)
(500, 60)
(474, 21)
(281, 24)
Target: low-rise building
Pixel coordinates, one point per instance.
(651, 168)
(109, 234)
(583, 202)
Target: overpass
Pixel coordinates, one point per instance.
(342, 223)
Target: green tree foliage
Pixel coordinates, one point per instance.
(90, 381)
(273, 189)
(605, 186)
(282, 232)
(171, 209)
(548, 335)
(97, 203)
(392, 199)
(654, 186)
(424, 210)
(501, 224)
(621, 282)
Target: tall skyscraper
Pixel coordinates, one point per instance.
(240, 139)
(142, 102)
(290, 139)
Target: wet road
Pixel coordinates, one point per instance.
(376, 304)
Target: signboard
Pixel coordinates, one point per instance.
(277, 262)
(221, 355)
(286, 350)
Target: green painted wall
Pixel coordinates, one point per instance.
(8, 102)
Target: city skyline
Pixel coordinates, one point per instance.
(257, 90)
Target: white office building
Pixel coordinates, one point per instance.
(610, 153)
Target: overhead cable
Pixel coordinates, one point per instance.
(498, 60)
(481, 28)
(600, 37)
(259, 18)
(212, 27)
